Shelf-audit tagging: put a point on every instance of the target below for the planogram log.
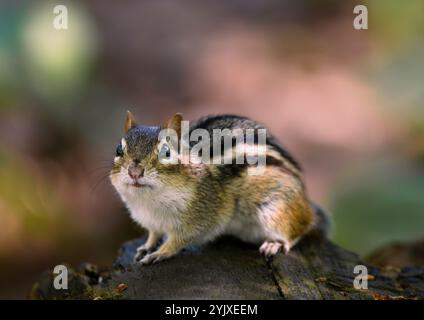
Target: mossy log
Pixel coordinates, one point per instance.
(228, 269)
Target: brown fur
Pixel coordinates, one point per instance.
(210, 200)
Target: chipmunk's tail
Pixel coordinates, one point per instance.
(322, 225)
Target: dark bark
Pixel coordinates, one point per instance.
(229, 269)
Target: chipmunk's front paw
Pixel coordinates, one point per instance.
(153, 257)
(142, 251)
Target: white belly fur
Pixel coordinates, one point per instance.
(246, 228)
(156, 209)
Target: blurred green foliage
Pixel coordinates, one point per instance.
(57, 63)
(63, 95)
(382, 204)
(383, 201)
(396, 25)
(30, 205)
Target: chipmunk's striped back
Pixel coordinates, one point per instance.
(276, 154)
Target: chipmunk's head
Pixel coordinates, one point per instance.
(137, 165)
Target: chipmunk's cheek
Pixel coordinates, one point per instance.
(117, 178)
(116, 181)
(123, 182)
(150, 177)
(126, 179)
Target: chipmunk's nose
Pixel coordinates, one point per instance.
(135, 171)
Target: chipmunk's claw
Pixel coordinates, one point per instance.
(152, 258)
(142, 251)
(271, 248)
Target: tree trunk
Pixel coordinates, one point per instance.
(229, 269)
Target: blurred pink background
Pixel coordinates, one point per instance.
(346, 103)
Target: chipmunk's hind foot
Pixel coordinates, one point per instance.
(271, 248)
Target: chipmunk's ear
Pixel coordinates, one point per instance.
(175, 123)
(129, 122)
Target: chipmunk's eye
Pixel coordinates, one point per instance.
(165, 151)
(119, 150)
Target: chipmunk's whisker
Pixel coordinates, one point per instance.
(99, 181)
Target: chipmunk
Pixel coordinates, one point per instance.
(196, 203)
